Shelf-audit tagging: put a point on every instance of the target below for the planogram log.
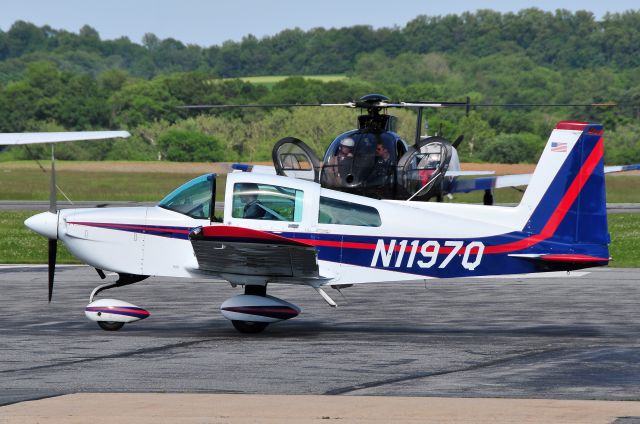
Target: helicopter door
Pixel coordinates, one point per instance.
(421, 170)
(293, 158)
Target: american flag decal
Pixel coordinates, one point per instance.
(558, 147)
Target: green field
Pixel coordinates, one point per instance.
(101, 186)
(269, 80)
(625, 239)
(20, 245)
(33, 184)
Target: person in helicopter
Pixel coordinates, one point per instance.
(382, 168)
(383, 157)
(339, 166)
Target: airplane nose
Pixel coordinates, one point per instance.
(45, 224)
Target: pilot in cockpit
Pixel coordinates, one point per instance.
(253, 209)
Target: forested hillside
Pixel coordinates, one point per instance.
(53, 80)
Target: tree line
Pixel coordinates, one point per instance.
(558, 40)
(57, 80)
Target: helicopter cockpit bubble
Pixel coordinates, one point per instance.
(362, 163)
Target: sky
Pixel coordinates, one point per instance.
(209, 22)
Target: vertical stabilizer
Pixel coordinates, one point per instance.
(566, 196)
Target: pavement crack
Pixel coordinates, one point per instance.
(112, 356)
(417, 376)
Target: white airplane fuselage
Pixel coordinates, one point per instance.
(408, 240)
(278, 229)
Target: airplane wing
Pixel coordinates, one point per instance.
(57, 137)
(490, 183)
(468, 173)
(621, 168)
(224, 250)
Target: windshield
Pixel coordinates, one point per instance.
(192, 198)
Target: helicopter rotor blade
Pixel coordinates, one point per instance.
(268, 105)
(378, 101)
(507, 105)
(543, 104)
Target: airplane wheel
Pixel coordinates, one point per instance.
(249, 327)
(487, 199)
(110, 325)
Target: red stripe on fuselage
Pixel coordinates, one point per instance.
(130, 227)
(572, 258)
(246, 233)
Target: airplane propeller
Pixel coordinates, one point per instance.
(53, 250)
(53, 208)
(46, 223)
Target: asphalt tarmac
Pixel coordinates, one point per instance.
(554, 338)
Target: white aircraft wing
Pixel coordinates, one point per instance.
(57, 137)
(502, 181)
(468, 173)
(225, 250)
(621, 168)
(488, 183)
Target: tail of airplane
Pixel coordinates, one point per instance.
(565, 200)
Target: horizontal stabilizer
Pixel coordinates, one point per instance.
(568, 258)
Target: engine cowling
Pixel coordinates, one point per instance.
(114, 310)
(246, 307)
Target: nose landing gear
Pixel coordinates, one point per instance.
(113, 314)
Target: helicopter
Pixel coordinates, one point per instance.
(373, 160)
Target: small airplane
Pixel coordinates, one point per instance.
(374, 161)
(282, 230)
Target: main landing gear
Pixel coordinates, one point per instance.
(254, 310)
(249, 313)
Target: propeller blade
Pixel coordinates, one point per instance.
(53, 247)
(459, 140)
